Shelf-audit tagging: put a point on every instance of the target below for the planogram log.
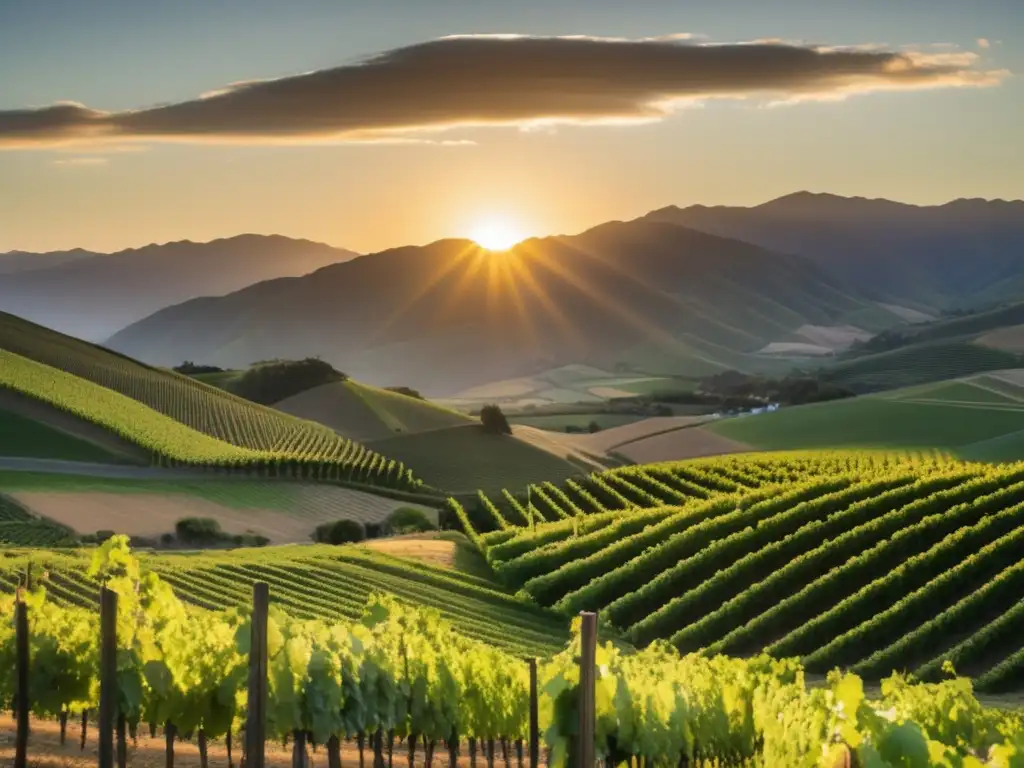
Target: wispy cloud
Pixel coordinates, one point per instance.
(501, 80)
(80, 161)
(983, 42)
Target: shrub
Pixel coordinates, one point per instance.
(408, 520)
(339, 532)
(198, 530)
(407, 391)
(494, 420)
(374, 530)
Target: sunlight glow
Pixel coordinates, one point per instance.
(496, 234)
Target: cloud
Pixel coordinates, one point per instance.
(501, 80)
(78, 161)
(983, 42)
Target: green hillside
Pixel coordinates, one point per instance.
(173, 418)
(25, 437)
(463, 459)
(362, 412)
(873, 561)
(957, 416)
(918, 364)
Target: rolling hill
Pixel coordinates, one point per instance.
(450, 315)
(873, 561)
(158, 416)
(979, 417)
(93, 295)
(363, 412)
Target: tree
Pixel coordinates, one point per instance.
(593, 427)
(339, 532)
(407, 391)
(494, 420)
(408, 520)
(198, 530)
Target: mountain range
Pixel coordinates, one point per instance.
(93, 295)
(451, 314)
(680, 291)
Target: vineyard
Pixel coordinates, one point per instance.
(314, 582)
(18, 527)
(871, 561)
(405, 674)
(178, 420)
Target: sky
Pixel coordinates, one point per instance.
(384, 123)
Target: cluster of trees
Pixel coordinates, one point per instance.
(493, 420)
(190, 369)
(400, 521)
(272, 381)
(407, 391)
(739, 390)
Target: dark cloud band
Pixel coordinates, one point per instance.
(500, 80)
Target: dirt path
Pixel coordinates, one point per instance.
(46, 751)
(685, 443)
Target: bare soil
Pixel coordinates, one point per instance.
(835, 337)
(46, 751)
(1009, 339)
(689, 443)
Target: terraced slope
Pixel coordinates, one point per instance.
(174, 418)
(875, 562)
(319, 581)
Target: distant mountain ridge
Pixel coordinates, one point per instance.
(450, 314)
(962, 253)
(13, 262)
(93, 295)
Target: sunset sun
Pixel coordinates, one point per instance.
(496, 234)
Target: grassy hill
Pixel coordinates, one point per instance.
(173, 418)
(465, 458)
(363, 412)
(317, 581)
(874, 561)
(918, 364)
(26, 437)
(960, 416)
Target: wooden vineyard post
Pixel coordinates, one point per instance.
(108, 676)
(534, 719)
(588, 669)
(256, 722)
(21, 643)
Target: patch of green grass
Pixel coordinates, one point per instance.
(870, 422)
(960, 392)
(461, 459)
(404, 414)
(28, 438)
